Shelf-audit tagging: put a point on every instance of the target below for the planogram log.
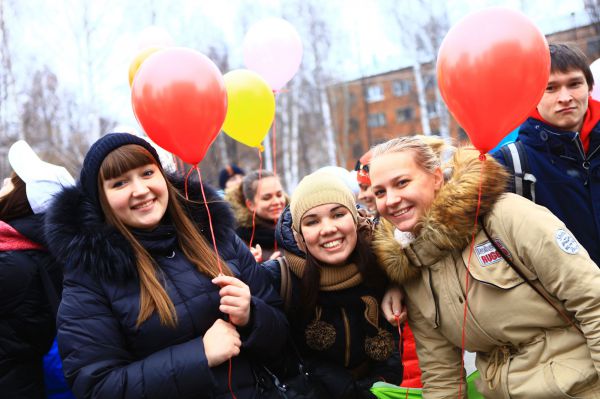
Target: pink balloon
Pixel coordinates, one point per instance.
(273, 49)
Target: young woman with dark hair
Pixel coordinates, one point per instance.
(336, 289)
(149, 309)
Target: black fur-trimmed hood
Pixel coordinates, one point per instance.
(78, 236)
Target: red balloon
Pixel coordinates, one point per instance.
(492, 68)
(179, 98)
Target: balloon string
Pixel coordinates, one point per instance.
(472, 246)
(260, 162)
(212, 234)
(274, 137)
(210, 225)
(275, 156)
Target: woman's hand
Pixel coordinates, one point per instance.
(235, 299)
(391, 305)
(257, 253)
(221, 342)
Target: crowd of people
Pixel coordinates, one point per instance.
(150, 294)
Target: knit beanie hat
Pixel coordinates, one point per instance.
(228, 172)
(88, 178)
(320, 188)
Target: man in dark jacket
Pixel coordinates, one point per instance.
(561, 139)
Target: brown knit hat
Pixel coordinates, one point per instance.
(320, 188)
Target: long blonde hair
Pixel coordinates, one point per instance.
(153, 296)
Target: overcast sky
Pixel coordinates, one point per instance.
(49, 37)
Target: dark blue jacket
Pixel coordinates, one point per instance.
(568, 181)
(105, 355)
(27, 325)
(344, 368)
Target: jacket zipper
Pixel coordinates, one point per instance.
(347, 336)
(586, 160)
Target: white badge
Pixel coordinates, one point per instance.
(566, 242)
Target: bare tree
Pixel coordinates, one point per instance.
(422, 25)
(592, 8)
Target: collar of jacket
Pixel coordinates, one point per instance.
(79, 237)
(538, 134)
(448, 224)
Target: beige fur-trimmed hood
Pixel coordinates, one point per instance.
(448, 224)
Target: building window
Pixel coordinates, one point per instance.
(353, 124)
(429, 81)
(404, 114)
(376, 120)
(357, 150)
(374, 93)
(352, 99)
(432, 109)
(401, 87)
(593, 46)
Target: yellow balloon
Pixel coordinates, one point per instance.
(139, 59)
(250, 107)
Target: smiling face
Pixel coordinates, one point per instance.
(565, 100)
(366, 197)
(329, 233)
(403, 190)
(269, 199)
(138, 197)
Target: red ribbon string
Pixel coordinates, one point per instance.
(258, 187)
(482, 158)
(212, 235)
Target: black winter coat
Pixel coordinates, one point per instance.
(344, 368)
(105, 355)
(27, 323)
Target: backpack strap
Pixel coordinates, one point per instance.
(516, 159)
(538, 290)
(285, 288)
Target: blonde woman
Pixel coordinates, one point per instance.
(529, 280)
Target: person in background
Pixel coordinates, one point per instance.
(149, 308)
(230, 176)
(365, 195)
(257, 203)
(336, 289)
(561, 140)
(522, 254)
(30, 278)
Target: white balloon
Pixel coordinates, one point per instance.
(595, 67)
(344, 175)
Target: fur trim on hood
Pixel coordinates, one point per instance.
(78, 236)
(448, 224)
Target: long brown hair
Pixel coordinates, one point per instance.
(15, 205)
(153, 296)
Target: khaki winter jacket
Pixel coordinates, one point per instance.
(525, 349)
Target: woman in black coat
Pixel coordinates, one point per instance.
(27, 326)
(337, 289)
(149, 309)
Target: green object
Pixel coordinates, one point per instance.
(388, 391)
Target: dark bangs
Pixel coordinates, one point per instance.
(123, 159)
